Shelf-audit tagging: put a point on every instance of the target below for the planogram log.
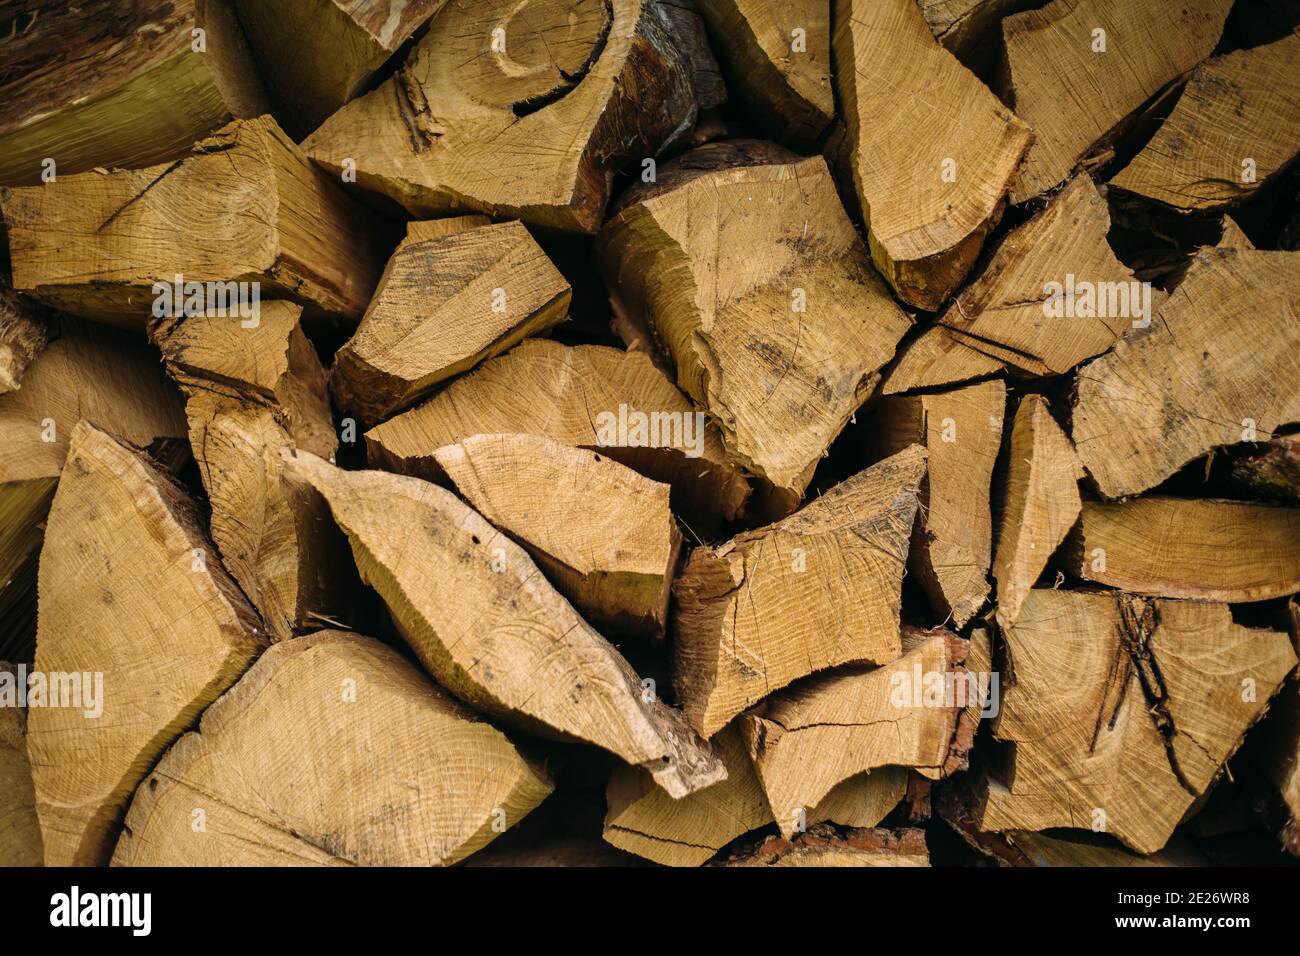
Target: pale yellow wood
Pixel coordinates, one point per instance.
(20, 831)
(1233, 237)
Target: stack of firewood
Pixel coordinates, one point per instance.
(563, 432)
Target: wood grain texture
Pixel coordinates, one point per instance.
(20, 830)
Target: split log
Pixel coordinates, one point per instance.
(1235, 127)
(244, 206)
(1042, 305)
(555, 99)
(823, 846)
(120, 83)
(1272, 472)
(1233, 237)
(508, 644)
(331, 750)
(777, 325)
(1040, 503)
(602, 533)
(1123, 711)
(24, 332)
(445, 304)
(1228, 551)
(908, 104)
(818, 589)
(124, 548)
(1078, 71)
(961, 431)
(970, 29)
(808, 738)
(777, 54)
(1196, 378)
(20, 831)
(587, 396)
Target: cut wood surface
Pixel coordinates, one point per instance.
(20, 831)
(117, 83)
(244, 206)
(172, 631)
(1008, 318)
(822, 846)
(587, 396)
(818, 589)
(1233, 237)
(776, 324)
(1236, 125)
(445, 304)
(1123, 710)
(961, 431)
(783, 77)
(908, 104)
(274, 769)
(1230, 551)
(1198, 377)
(519, 110)
(508, 644)
(1040, 503)
(24, 331)
(1076, 87)
(603, 534)
(971, 29)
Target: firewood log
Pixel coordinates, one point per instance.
(823, 846)
(602, 533)
(331, 750)
(244, 206)
(818, 589)
(906, 103)
(117, 83)
(20, 831)
(970, 29)
(171, 632)
(1233, 237)
(1271, 472)
(776, 325)
(508, 644)
(558, 95)
(24, 332)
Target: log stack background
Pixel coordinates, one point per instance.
(655, 417)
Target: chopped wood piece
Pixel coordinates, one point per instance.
(780, 76)
(1233, 237)
(824, 846)
(123, 549)
(316, 55)
(1229, 551)
(1273, 472)
(961, 431)
(331, 750)
(1077, 70)
(1123, 711)
(23, 333)
(602, 533)
(1198, 377)
(1009, 317)
(20, 831)
(808, 738)
(1236, 125)
(507, 644)
(1040, 503)
(122, 83)
(524, 112)
(244, 216)
(970, 29)
(777, 325)
(443, 306)
(818, 589)
(908, 104)
(588, 396)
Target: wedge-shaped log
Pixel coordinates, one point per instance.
(484, 622)
(445, 304)
(588, 396)
(1052, 295)
(123, 548)
(20, 830)
(818, 589)
(602, 533)
(1236, 125)
(1040, 502)
(908, 104)
(961, 431)
(777, 325)
(1229, 551)
(1123, 711)
(808, 738)
(823, 846)
(331, 750)
(244, 206)
(521, 112)
(1196, 378)
(124, 83)
(1077, 70)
